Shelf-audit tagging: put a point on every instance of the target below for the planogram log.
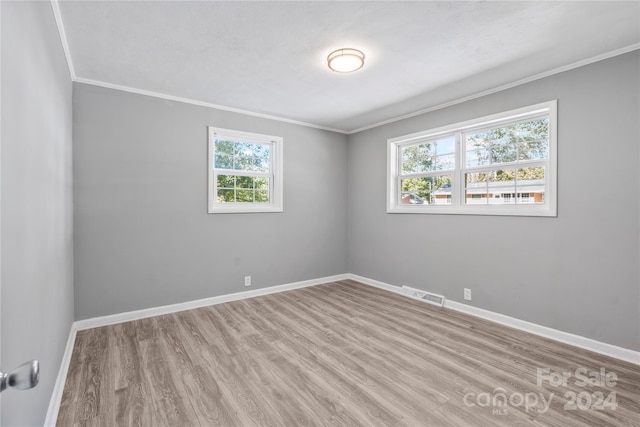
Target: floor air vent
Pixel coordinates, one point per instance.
(425, 296)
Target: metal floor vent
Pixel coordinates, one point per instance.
(425, 296)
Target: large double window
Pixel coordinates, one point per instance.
(245, 172)
(504, 164)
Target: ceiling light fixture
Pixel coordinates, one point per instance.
(345, 60)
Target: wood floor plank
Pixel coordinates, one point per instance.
(201, 388)
(340, 353)
(168, 397)
(133, 406)
(94, 404)
(126, 355)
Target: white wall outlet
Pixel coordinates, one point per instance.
(247, 280)
(467, 294)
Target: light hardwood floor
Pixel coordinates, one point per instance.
(342, 353)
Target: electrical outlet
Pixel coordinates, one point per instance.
(247, 280)
(467, 294)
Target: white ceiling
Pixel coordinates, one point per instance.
(270, 57)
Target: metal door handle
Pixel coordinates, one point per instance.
(23, 377)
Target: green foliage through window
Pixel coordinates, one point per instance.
(528, 140)
(504, 159)
(244, 156)
(236, 157)
(242, 189)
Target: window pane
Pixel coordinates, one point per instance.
(243, 149)
(243, 163)
(261, 183)
(503, 145)
(226, 181)
(409, 159)
(240, 189)
(424, 188)
(500, 182)
(408, 184)
(244, 182)
(522, 141)
(223, 161)
(505, 186)
(531, 185)
(260, 164)
(446, 146)
(262, 196)
(503, 135)
(530, 174)
(425, 164)
(410, 199)
(476, 188)
(226, 196)
(426, 150)
(502, 153)
(446, 162)
(503, 175)
(261, 151)
(477, 141)
(534, 130)
(243, 156)
(409, 153)
(429, 156)
(244, 196)
(533, 150)
(472, 178)
(477, 158)
(533, 195)
(224, 147)
(431, 190)
(435, 190)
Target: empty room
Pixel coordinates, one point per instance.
(314, 213)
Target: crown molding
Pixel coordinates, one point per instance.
(63, 37)
(525, 80)
(202, 104)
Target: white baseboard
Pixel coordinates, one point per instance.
(544, 331)
(376, 284)
(58, 387)
(189, 305)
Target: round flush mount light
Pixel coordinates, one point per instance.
(345, 60)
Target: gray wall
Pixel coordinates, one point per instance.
(578, 272)
(143, 235)
(37, 269)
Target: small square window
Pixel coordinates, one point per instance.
(245, 172)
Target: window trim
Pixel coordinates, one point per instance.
(458, 207)
(276, 173)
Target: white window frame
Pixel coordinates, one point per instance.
(458, 205)
(275, 172)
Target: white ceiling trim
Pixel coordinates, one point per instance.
(75, 78)
(202, 104)
(562, 69)
(63, 37)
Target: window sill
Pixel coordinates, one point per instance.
(542, 211)
(245, 209)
